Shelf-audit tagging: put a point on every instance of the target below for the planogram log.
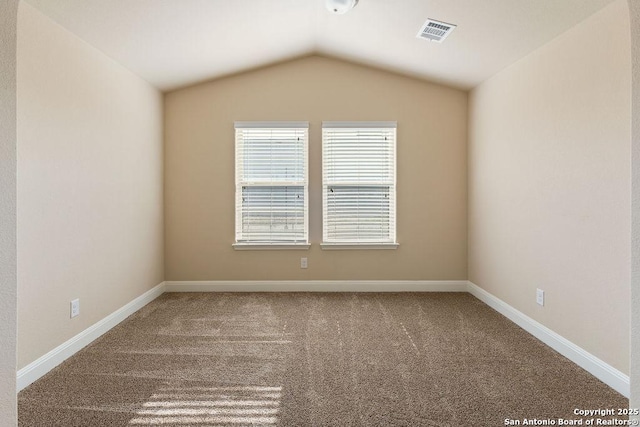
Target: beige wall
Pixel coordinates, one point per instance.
(8, 259)
(199, 177)
(90, 221)
(634, 10)
(549, 185)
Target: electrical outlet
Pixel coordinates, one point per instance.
(75, 308)
(303, 263)
(540, 297)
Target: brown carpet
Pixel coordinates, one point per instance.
(313, 359)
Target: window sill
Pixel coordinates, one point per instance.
(357, 246)
(270, 246)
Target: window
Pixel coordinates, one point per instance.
(359, 185)
(271, 185)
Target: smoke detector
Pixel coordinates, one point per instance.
(340, 7)
(435, 31)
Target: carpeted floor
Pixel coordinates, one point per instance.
(312, 359)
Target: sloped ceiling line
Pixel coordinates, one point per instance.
(174, 43)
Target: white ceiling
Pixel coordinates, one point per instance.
(173, 43)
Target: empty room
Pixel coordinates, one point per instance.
(319, 212)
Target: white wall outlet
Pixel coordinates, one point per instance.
(540, 296)
(303, 263)
(75, 308)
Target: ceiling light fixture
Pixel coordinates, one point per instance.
(340, 7)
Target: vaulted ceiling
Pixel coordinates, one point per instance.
(174, 43)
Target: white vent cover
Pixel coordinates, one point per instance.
(435, 31)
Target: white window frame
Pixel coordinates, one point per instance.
(243, 241)
(330, 181)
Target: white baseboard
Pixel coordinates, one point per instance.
(36, 369)
(320, 286)
(596, 367)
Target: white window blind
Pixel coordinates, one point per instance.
(359, 182)
(271, 182)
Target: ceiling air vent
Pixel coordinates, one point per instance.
(435, 31)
